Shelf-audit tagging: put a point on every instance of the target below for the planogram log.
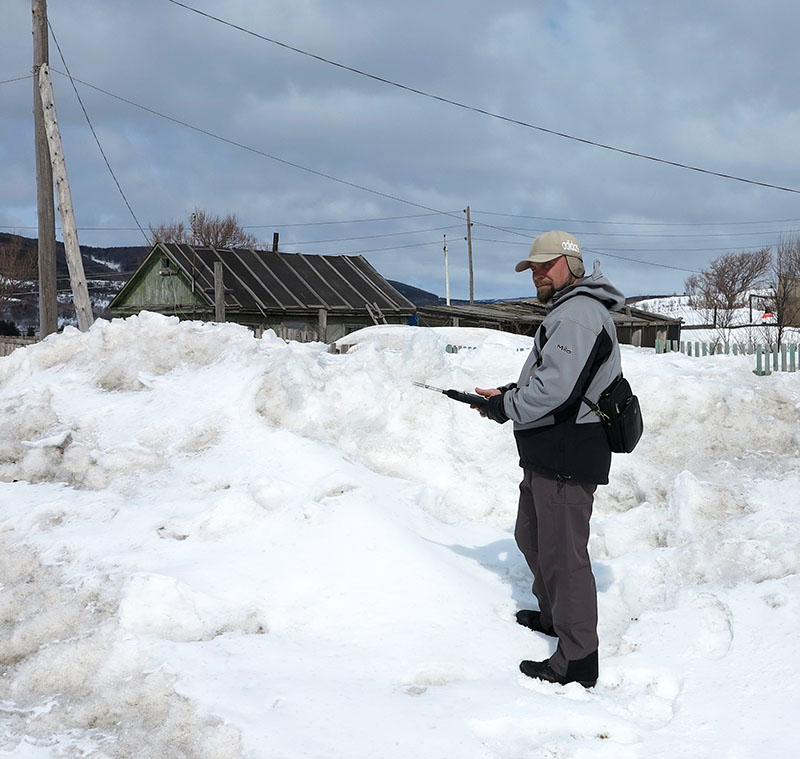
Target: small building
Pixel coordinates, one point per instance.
(523, 317)
(300, 297)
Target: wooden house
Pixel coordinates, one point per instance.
(300, 297)
(523, 317)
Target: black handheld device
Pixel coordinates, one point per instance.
(456, 395)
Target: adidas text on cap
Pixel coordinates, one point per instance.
(549, 246)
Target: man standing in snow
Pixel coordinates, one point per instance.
(563, 449)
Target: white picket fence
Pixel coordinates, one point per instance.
(769, 358)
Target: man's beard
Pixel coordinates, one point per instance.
(544, 292)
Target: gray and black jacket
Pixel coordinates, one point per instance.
(575, 353)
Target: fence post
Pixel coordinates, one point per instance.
(792, 350)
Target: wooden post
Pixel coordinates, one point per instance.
(446, 274)
(219, 293)
(469, 248)
(48, 301)
(80, 292)
(323, 325)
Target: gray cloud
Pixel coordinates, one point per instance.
(708, 84)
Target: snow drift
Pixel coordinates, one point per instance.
(217, 546)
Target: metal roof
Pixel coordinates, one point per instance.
(530, 312)
(263, 280)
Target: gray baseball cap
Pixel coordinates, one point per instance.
(551, 245)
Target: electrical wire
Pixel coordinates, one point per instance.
(350, 221)
(642, 223)
(370, 237)
(17, 79)
(434, 211)
(656, 250)
(491, 114)
(261, 152)
(257, 226)
(380, 250)
(639, 261)
(662, 235)
(94, 134)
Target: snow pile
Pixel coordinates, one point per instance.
(217, 546)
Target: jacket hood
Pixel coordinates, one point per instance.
(594, 285)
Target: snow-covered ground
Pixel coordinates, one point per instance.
(215, 546)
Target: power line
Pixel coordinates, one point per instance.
(651, 250)
(396, 247)
(350, 221)
(94, 134)
(602, 252)
(642, 223)
(639, 261)
(662, 235)
(16, 79)
(475, 109)
(370, 237)
(260, 152)
(434, 211)
(262, 226)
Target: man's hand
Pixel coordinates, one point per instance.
(494, 408)
(486, 393)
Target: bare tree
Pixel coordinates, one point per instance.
(206, 230)
(174, 231)
(724, 286)
(17, 266)
(785, 285)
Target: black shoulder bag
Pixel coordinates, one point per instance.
(620, 415)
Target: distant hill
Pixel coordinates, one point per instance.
(120, 260)
(106, 271)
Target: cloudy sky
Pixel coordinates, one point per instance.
(337, 162)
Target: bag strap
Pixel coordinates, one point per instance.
(594, 407)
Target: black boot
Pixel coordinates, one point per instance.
(533, 621)
(582, 671)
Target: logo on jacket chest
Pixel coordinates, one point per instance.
(564, 348)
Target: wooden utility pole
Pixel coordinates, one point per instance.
(446, 273)
(48, 301)
(80, 292)
(219, 293)
(469, 247)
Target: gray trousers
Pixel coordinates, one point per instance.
(552, 531)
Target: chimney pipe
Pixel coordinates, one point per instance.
(274, 242)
